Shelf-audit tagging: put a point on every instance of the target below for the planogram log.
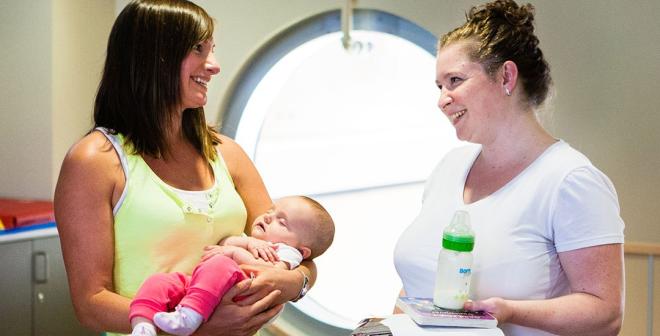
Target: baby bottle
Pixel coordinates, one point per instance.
(452, 281)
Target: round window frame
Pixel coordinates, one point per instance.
(262, 60)
(271, 52)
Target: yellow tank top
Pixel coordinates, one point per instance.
(155, 231)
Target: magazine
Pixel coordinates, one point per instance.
(372, 327)
(424, 313)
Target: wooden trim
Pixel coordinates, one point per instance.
(641, 248)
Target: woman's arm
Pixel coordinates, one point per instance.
(249, 185)
(594, 307)
(240, 320)
(90, 181)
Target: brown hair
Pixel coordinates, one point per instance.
(320, 236)
(503, 31)
(140, 86)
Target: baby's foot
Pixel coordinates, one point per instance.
(144, 329)
(181, 322)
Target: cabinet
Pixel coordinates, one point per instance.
(34, 292)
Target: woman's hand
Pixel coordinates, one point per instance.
(261, 298)
(268, 279)
(495, 305)
(231, 318)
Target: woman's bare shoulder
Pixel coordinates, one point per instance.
(228, 144)
(231, 151)
(238, 162)
(93, 151)
(91, 176)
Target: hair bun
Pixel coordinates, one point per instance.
(519, 17)
(522, 17)
(504, 31)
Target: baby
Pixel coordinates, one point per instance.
(296, 228)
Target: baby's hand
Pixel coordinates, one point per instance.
(262, 249)
(212, 250)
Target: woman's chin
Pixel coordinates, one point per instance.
(461, 135)
(197, 103)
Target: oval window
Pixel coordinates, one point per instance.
(359, 131)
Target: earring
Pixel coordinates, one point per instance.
(506, 90)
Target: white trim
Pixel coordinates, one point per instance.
(124, 164)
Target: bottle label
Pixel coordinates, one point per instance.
(464, 271)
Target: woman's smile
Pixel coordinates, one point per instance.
(200, 81)
(454, 117)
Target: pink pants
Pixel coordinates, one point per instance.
(202, 291)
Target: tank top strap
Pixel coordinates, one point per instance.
(117, 141)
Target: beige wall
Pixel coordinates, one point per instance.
(80, 31)
(604, 65)
(50, 60)
(603, 54)
(25, 99)
(603, 61)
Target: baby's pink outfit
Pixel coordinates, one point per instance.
(202, 291)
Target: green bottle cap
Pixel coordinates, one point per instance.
(458, 235)
(461, 244)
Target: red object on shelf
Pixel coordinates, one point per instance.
(15, 213)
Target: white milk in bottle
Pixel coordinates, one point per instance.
(452, 280)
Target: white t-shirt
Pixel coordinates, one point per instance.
(289, 254)
(559, 203)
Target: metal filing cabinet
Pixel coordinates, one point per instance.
(34, 293)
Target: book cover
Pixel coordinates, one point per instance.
(424, 313)
(372, 327)
(15, 213)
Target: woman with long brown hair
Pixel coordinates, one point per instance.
(152, 184)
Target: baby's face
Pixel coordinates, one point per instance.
(284, 222)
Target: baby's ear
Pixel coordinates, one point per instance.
(306, 252)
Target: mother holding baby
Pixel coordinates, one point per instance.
(151, 185)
